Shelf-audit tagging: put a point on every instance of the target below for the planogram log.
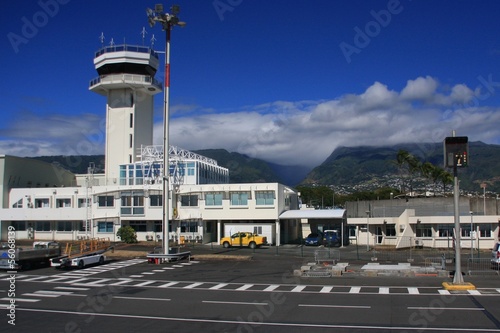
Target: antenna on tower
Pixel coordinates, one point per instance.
(112, 42)
(101, 38)
(143, 33)
(153, 40)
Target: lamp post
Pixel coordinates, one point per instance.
(167, 20)
(367, 230)
(471, 239)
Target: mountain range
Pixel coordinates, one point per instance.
(347, 167)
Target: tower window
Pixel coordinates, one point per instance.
(130, 140)
(131, 120)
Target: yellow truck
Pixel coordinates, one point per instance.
(243, 239)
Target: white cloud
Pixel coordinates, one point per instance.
(285, 132)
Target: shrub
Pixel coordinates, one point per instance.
(127, 234)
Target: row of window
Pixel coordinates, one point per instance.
(102, 226)
(428, 230)
(447, 230)
(45, 203)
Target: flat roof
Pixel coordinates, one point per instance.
(313, 214)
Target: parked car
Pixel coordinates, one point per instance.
(243, 239)
(314, 239)
(331, 238)
(495, 256)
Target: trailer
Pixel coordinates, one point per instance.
(17, 258)
(84, 253)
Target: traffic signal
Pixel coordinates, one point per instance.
(456, 151)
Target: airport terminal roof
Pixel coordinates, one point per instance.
(313, 214)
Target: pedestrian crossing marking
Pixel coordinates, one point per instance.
(355, 290)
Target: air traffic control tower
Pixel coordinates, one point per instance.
(126, 78)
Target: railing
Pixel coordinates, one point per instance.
(118, 78)
(481, 266)
(123, 47)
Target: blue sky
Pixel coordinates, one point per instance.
(287, 81)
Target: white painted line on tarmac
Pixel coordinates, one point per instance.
(193, 285)
(272, 287)
(355, 290)
(72, 288)
(235, 303)
(413, 291)
(326, 289)
(166, 285)
(245, 287)
(143, 298)
(443, 308)
(298, 289)
(383, 290)
(20, 299)
(444, 292)
(219, 286)
(336, 306)
(474, 292)
(145, 283)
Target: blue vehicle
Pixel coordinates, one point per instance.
(331, 238)
(314, 239)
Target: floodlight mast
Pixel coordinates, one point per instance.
(167, 21)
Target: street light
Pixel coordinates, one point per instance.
(367, 230)
(167, 21)
(471, 240)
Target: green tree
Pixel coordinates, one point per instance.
(127, 234)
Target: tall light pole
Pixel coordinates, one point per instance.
(471, 239)
(367, 230)
(167, 20)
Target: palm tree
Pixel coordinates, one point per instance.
(427, 169)
(401, 162)
(445, 178)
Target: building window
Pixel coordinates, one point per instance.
(257, 230)
(19, 225)
(131, 120)
(104, 226)
(138, 225)
(158, 226)
(189, 200)
(18, 204)
(63, 203)
(264, 198)
(213, 199)
(390, 230)
(189, 226)
(485, 230)
(424, 231)
(131, 141)
(42, 203)
(239, 199)
(132, 203)
(465, 230)
(445, 230)
(83, 202)
(156, 200)
(106, 201)
(64, 226)
(82, 225)
(42, 226)
(351, 230)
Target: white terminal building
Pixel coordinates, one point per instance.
(43, 201)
